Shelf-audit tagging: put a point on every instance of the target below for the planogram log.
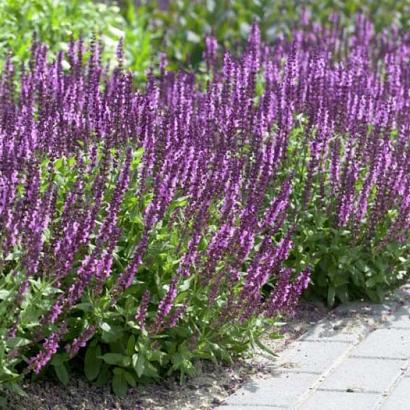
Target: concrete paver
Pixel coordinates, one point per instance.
(401, 319)
(273, 391)
(386, 343)
(312, 356)
(341, 401)
(363, 375)
(341, 363)
(333, 332)
(399, 399)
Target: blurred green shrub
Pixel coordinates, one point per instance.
(178, 26)
(55, 21)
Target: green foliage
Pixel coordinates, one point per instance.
(346, 263)
(176, 28)
(343, 269)
(54, 22)
(121, 352)
(36, 302)
(179, 26)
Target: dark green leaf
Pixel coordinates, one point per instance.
(62, 373)
(119, 385)
(92, 362)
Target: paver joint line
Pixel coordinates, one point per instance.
(326, 340)
(300, 371)
(348, 391)
(398, 328)
(400, 359)
(398, 399)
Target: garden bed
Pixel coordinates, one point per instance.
(213, 384)
(210, 387)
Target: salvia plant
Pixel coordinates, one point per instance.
(142, 230)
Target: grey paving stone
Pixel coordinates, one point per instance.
(281, 391)
(248, 407)
(369, 309)
(363, 375)
(400, 397)
(333, 331)
(391, 343)
(308, 356)
(400, 319)
(341, 401)
(403, 293)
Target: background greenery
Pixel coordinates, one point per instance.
(55, 22)
(174, 27)
(180, 25)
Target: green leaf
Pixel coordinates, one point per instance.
(105, 326)
(137, 157)
(134, 360)
(17, 342)
(114, 358)
(192, 37)
(58, 164)
(62, 373)
(130, 378)
(59, 359)
(104, 376)
(331, 293)
(4, 294)
(119, 384)
(86, 307)
(139, 364)
(114, 334)
(157, 356)
(343, 294)
(131, 345)
(92, 362)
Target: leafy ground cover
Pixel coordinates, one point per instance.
(143, 229)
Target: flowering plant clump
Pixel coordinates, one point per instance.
(350, 154)
(142, 230)
(142, 223)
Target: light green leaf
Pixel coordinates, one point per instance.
(113, 358)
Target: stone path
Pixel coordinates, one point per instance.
(351, 361)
